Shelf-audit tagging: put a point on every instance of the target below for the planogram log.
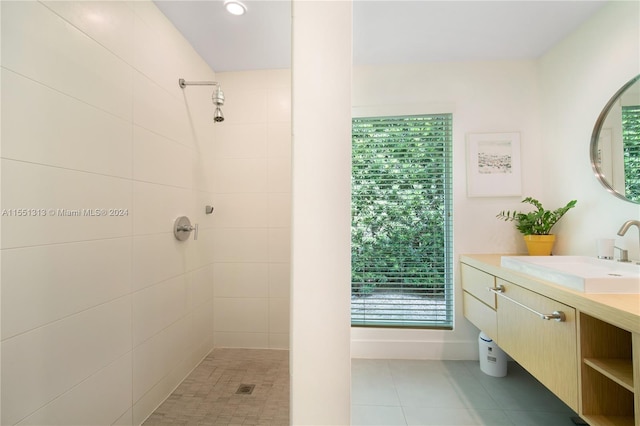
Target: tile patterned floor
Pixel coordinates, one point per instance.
(208, 396)
(439, 393)
(384, 392)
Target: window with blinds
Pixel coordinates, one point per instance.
(401, 225)
(631, 149)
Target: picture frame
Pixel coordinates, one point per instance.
(493, 165)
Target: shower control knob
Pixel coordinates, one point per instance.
(182, 229)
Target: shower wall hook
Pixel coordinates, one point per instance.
(208, 209)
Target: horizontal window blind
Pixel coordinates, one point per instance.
(631, 150)
(401, 233)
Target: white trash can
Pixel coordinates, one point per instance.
(493, 360)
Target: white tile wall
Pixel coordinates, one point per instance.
(279, 210)
(200, 252)
(63, 194)
(65, 59)
(111, 385)
(157, 355)
(279, 315)
(156, 258)
(241, 279)
(158, 306)
(44, 363)
(279, 279)
(279, 175)
(237, 339)
(241, 140)
(252, 185)
(45, 283)
(240, 175)
(279, 105)
(279, 245)
(200, 288)
(279, 140)
(157, 159)
(93, 141)
(244, 315)
(279, 340)
(242, 210)
(109, 23)
(102, 316)
(157, 205)
(159, 111)
(246, 105)
(243, 245)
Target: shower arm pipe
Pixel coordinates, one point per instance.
(182, 83)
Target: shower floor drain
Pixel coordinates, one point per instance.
(245, 389)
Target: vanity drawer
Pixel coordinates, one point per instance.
(480, 315)
(545, 347)
(477, 283)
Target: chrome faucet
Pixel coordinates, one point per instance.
(628, 224)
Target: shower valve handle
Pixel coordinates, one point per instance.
(182, 229)
(190, 228)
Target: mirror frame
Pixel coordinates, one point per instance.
(595, 137)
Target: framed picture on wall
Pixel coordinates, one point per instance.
(493, 165)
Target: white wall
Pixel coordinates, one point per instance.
(321, 204)
(484, 97)
(577, 77)
(252, 194)
(0, 219)
(101, 316)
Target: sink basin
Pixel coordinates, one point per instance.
(581, 273)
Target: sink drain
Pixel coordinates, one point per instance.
(245, 389)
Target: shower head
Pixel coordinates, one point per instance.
(218, 116)
(218, 100)
(217, 96)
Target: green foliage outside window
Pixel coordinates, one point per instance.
(401, 190)
(631, 150)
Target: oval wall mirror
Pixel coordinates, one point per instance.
(615, 143)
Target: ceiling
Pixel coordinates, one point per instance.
(384, 32)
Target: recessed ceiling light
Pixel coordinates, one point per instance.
(235, 7)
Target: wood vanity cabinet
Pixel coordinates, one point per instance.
(590, 360)
(607, 373)
(545, 348)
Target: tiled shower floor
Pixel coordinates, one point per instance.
(208, 396)
(383, 392)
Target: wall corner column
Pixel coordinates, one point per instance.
(321, 212)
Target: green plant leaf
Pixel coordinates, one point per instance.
(537, 222)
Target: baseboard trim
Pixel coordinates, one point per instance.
(412, 349)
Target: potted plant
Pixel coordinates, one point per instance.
(536, 225)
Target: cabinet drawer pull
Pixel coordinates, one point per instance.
(556, 315)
